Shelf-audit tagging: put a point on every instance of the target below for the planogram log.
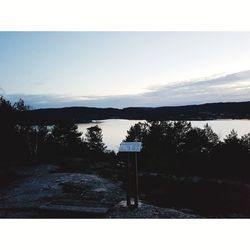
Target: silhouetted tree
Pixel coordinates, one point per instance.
(212, 137)
(200, 140)
(66, 138)
(137, 132)
(21, 106)
(232, 138)
(7, 129)
(26, 133)
(40, 141)
(93, 139)
(178, 148)
(245, 140)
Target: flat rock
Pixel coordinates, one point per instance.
(100, 210)
(146, 211)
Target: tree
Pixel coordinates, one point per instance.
(21, 106)
(26, 133)
(232, 138)
(66, 138)
(16, 139)
(200, 140)
(245, 140)
(40, 140)
(7, 129)
(211, 137)
(137, 132)
(93, 139)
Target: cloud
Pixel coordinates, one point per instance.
(229, 87)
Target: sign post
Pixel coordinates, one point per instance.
(136, 182)
(132, 172)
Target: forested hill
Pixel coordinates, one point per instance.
(229, 110)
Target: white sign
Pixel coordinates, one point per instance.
(130, 147)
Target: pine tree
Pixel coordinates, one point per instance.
(66, 138)
(93, 138)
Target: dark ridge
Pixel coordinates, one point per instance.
(208, 111)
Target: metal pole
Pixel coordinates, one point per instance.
(136, 182)
(128, 183)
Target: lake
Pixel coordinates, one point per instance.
(115, 130)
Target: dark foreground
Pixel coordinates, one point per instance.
(42, 191)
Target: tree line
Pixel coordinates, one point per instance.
(170, 147)
(20, 142)
(177, 148)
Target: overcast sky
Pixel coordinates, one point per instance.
(119, 69)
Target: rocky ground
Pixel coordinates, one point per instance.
(121, 210)
(44, 192)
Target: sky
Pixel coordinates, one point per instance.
(121, 69)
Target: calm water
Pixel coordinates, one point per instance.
(115, 130)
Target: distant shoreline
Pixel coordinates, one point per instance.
(210, 111)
